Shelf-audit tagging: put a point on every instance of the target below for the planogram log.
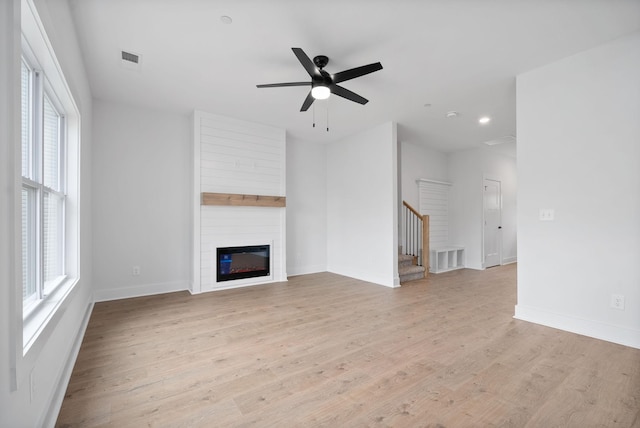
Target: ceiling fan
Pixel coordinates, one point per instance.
(324, 84)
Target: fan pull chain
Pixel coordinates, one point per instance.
(327, 115)
(314, 115)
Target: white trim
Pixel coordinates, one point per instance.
(510, 260)
(426, 180)
(55, 403)
(10, 181)
(305, 270)
(47, 59)
(140, 290)
(590, 328)
(196, 286)
(44, 312)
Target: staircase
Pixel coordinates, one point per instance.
(408, 270)
(414, 249)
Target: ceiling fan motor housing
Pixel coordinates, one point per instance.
(321, 61)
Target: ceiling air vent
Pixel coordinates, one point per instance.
(130, 60)
(128, 56)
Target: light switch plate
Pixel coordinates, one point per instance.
(547, 214)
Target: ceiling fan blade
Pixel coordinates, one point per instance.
(345, 93)
(356, 72)
(279, 85)
(306, 62)
(307, 102)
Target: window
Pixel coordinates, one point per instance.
(49, 207)
(50, 149)
(43, 189)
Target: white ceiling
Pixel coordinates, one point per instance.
(460, 55)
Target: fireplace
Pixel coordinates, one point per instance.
(243, 262)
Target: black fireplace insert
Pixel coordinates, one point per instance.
(243, 262)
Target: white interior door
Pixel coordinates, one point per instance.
(492, 223)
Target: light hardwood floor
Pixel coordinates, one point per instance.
(325, 350)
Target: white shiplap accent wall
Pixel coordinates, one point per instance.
(434, 202)
(234, 156)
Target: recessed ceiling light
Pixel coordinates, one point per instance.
(226, 19)
(452, 114)
(484, 120)
(507, 139)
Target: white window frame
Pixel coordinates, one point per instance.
(34, 183)
(39, 318)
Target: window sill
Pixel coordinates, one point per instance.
(45, 314)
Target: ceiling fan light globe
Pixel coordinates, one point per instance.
(320, 92)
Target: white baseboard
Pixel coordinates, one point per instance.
(509, 260)
(365, 276)
(590, 328)
(139, 290)
(305, 270)
(52, 412)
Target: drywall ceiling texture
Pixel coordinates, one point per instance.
(454, 55)
(578, 154)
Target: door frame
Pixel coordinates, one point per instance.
(498, 179)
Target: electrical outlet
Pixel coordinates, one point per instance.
(617, 301)
(135, 271)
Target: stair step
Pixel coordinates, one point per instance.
(405, 260)
(410, 269)
(410, 273)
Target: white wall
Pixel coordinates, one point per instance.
(420, 162)
(362, 217)
(467, 170)
(306, 207)
(578, 153)
(142, 206)
(55, 351)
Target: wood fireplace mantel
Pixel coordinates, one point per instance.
(240, 200)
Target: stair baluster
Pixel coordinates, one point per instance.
(416, 235)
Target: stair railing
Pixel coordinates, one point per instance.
(416, 235)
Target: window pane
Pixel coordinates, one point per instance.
(52, 236)
(28, 245)
(51, 149)
(26, 128)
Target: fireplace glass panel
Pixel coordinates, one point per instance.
(243, 262)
